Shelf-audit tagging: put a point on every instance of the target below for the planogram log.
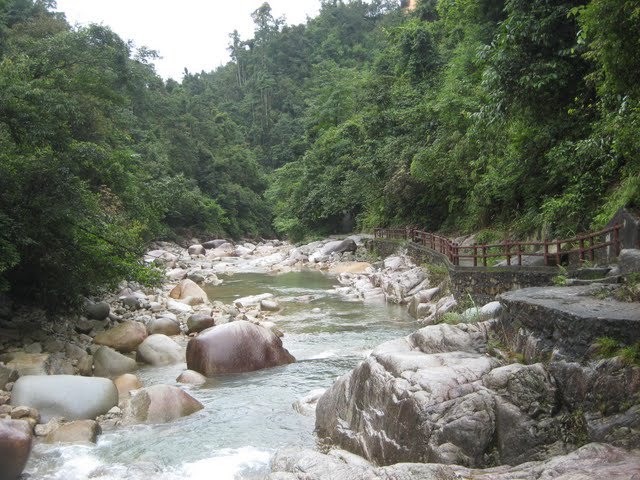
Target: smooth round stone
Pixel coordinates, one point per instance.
(68, 396)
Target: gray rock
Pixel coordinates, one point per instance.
(98, 310)
(7, 375)
(435, 396)
(164, 326)
(109, 363)
(160, 350)
(629, 261)
(71, 397)
(566, 320)
(346, 245)
(197, 250)
(33, 348)
(199, 322)
(215, 243)
(591, 461)
(269, 305)
(251, 301)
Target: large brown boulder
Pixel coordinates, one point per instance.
(236, 347)
(124, 337)
(15, 447)
(161, 404)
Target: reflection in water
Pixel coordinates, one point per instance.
(247, 416)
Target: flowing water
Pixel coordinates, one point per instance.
(247, 417)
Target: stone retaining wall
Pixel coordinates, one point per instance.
(483, 284)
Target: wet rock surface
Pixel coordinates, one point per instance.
(589, 462)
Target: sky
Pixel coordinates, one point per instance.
(186, 33)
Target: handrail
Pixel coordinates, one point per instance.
(552, 250)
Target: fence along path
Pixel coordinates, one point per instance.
(583, 247)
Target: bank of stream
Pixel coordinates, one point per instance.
(247, 417)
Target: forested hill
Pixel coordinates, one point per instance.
(519, 115)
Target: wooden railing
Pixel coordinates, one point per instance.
(581, 248)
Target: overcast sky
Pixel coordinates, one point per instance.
(187, 33)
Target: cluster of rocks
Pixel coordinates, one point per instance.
(67, 380)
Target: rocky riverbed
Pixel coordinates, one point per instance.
(444, 400)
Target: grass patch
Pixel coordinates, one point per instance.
(630, 290)
(608, 347)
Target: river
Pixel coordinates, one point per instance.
(247, 417)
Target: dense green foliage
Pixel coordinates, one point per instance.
(98, 155)
(520, 115)
(467, 114)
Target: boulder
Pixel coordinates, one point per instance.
(159, 350)
(124, 337)
(161, 257)
(307, 404)
(591, 461)
(188, 288)
(397, 285)
(7, 375)
(126, 383)
(350, 267)
(435, 396)
(109, 363)
(79, 431)
(629, 261)
(268, 305)
(346, 245)
(178, 308)
(197, 250)
(235, 347)
(15, 447)
(176, 274)
(191, 377)
(199, 322)
(161, 404)
(68, 396)
(214, 243)
(164, 326)
(98, 310)
(26, 363)
(251, 301)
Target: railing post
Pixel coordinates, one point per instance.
(475, 255)
(592, 252)
(546, 253)
(507, 253)
(582, 250)
(484, 256)
(519, 254)
(558, 247)
(616, 239)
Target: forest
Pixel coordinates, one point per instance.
(505, 117)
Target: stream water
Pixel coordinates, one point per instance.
(247, 417)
